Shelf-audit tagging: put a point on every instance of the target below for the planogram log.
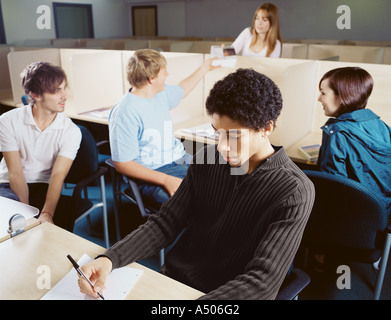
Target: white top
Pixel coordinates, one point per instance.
(38, 149)
(242, 45)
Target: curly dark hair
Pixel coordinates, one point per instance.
(246, 96)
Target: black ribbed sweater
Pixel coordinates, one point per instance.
(241, 231)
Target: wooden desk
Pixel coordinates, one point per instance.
(48, 245)
(183, 135)
(310, 139)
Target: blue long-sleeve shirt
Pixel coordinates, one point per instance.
(357, 145)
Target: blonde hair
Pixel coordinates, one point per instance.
(274, 32)
(144, 65)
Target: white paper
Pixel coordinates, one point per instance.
(98, 113)
(203, 130)
(227, 62)
(118, 284)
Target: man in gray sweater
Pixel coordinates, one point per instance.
(243, 205)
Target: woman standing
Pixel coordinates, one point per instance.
(263, 39)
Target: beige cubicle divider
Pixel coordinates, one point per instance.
(179, 66)
(95, 80)
(5, 79)
(161, 44)
(379, 101)
(66, 43)
(294, 51)
(37, 43)
(204, 46)
(182, 46)
(387, 55)
(360, 54)
(66, 55)
(295, 78)
(135, 44)
(18, 60)
(96, 43)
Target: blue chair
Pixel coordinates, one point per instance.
(25, 99)
(293, 284)
(125, 187)
(348, 221)
(85, 172)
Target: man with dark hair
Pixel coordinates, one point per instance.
(241, 231)
(38, 142)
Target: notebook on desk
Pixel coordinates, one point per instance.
(310, 152)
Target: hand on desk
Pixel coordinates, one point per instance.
(45, 217)
(97, 271)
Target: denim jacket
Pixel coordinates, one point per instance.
(357, 145)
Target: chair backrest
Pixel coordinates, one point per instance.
(25, 99)
(132, 193)
(86, 161)
(347, 219)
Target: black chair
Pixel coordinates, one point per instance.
(293, 284)
(83, 173)
(125, 187)
(348, 221)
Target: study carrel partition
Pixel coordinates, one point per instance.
(387, 55)
(295, 80)
(360, 54)
(5, 80)
(17, 62)
(95, 81)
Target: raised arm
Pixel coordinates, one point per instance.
(191, 81)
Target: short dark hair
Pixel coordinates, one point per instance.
(352, 85)
(42, 77)
(246, 96)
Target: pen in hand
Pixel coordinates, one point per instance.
(76, 266)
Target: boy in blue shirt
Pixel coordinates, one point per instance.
(142, 140)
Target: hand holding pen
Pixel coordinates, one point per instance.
(95, 271)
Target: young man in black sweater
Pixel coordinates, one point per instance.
(243, 205)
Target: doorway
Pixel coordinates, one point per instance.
(73, 20)
(144, 21)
